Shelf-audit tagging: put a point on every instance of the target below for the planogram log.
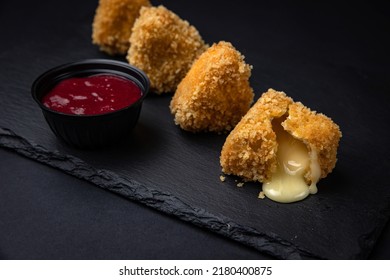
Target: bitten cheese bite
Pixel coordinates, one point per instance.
(284, 145)
(164, 46)
(215, 93)
(114, 19)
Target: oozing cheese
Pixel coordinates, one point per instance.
(294, 160)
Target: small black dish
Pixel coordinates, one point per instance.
(91, 131)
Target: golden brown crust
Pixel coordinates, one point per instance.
(215, 93)
(164, 46)
(250, 149)
(317, 131)
(114, 19)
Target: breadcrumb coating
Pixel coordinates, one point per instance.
(164, 46)
(317, 131)
(114, 19)
(250, 149)
(215, 93)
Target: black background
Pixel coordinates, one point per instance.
(332, 57)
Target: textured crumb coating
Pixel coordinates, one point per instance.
(215, 93)
(114, 19)
(250, 149)
(317, 131)
(164, 46)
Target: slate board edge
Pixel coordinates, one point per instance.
(268, 243)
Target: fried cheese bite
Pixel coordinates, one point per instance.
(114, 19)
(215, 93)
(164, 46)
(284, 145)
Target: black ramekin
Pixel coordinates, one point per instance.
(91, 131)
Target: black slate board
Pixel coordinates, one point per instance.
(329, 65)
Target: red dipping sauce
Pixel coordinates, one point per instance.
(93, 95)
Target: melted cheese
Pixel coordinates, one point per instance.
(294, 160)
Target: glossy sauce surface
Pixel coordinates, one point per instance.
(93, 95)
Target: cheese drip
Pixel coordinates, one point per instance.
(293, 161)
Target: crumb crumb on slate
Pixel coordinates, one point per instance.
(261, 195)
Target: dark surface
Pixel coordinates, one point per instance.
(324, 56)
(117, 228)
(46, 214)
